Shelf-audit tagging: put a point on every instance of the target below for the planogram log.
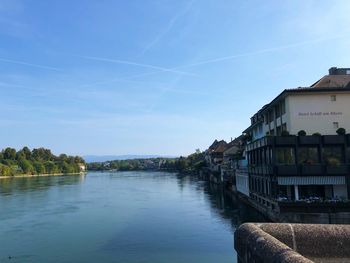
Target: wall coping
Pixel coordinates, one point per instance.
(292, 243)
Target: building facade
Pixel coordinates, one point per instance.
(321, 108)
(286, 165)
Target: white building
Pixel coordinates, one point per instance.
(321, 108)
(302, 167)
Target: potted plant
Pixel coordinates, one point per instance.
(301, 133)
(309, 140)
(334, 166)
(336, 139)
(341, 131)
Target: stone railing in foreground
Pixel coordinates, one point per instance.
(292, 243)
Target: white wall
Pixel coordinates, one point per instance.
(316, 113)
(242, 183)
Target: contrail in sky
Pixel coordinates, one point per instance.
(257, 52)
(169, 27)
(28, 64)
(137, 64)
(226, 58)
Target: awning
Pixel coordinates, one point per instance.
(311, 180)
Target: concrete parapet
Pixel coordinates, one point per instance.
(292, 243)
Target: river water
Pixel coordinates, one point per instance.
(118, 217)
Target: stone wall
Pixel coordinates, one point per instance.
(292, 243)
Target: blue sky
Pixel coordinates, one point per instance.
(156, 76)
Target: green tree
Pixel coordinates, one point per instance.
(39, 167)
(26, 166)
(5, 170)
(51, 167)
(9, 153)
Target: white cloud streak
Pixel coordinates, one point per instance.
(170, 25)
(118, 61)
(28, 64)
(262, 51)
(226, 58)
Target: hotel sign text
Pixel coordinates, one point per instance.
(319, 113)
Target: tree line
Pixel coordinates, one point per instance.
(193, 162)
(37, 161)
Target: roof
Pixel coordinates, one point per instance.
(333, 81)
(221, 148)
(218, 146)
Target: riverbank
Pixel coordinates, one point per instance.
(40, 175)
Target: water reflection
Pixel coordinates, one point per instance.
(222, 202)
(118, 217)
(13, 185)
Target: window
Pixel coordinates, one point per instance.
(333, 155)
(284, 127)
(308, 155)
(278, 111)
(283, 107)
(335, 125)
(285, 155)
(279, 130)
(333, 98)
(271, 117)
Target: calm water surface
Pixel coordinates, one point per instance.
(118, 217)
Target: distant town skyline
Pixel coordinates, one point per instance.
(162, 77)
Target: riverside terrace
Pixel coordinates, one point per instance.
(300, 174)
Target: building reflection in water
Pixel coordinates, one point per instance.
(223, 202)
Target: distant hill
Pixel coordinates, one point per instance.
(104, 158)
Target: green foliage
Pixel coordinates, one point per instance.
(331, 161)
(26, 166)
(5, 170)
(301, 133)
(9, 153)
(341, 131)
(316, 134)
(193, 162)
(38, 161)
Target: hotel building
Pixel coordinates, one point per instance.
(294, 153)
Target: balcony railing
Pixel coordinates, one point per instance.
(333, 139)
(300, 169)
(301, 140)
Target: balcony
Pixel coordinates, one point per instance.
(337, 170)
(286, 140)
(333, 139)
(293, 140)
(314, 169)
(286, 169)
(309, 140)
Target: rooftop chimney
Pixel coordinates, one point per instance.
(339, 71)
